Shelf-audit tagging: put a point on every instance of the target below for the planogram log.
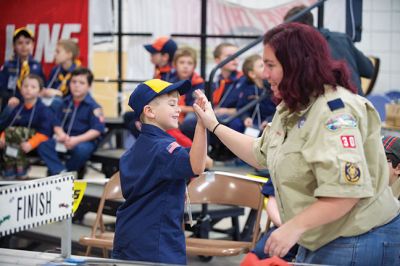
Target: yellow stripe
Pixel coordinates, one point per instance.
(157, 85)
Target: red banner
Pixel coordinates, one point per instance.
(50, 21)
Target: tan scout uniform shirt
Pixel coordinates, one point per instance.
(320, 152)
(396, 188)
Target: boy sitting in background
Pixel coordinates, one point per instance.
(392, 150)
(15, 70)
(185, 60)
(162, 52)
(154, 172)
(27, 124)
(78, 127)
(253, 86)
(66, 58)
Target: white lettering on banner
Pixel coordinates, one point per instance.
(32, 203)
(46, 40)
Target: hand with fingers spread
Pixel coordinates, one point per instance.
(205, 112)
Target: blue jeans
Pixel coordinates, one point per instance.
(78, 156)
(380, 246)
(259, 248)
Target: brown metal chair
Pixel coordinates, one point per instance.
(226, 190)
(99, 237)
(367, 84)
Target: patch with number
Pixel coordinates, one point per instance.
(351, 173)
(337, 122)
(348, 141)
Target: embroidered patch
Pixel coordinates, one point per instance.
(348, 141)
(341, 121)
(171, 147)
(352, 173)
(301, 122)
(98, 112)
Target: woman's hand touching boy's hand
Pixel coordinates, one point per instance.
(204, 111)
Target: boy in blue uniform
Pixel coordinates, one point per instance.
(26, 125)
(154, 172)
(78, 126)
(66, 58)
(162, 52)
(15, 70)
(251, 89)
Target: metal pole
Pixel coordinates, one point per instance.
(203, 38)
(321, 16)
(119, 57)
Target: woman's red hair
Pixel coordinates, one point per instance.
(307, 64)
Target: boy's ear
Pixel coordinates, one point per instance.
(148, 112)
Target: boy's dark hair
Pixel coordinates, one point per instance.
(83, 71)
(248, 64)
(36, 77)
(22, 32)
(218, 50)
(307, 18)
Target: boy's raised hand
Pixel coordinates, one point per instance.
(204, 111)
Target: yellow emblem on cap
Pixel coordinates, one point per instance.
(352, 173)
(157, 85)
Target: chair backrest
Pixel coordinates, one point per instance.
(112, 191)
(218, 188)
(379, 102)
(367, 84)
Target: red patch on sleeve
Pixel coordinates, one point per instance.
(348, 141)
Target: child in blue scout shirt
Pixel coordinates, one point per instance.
(154, 172)
(252, 88)
(162, 52)
(78, 126)
(66, 58)
(27, 125)
(15, 70)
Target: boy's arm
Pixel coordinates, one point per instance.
(198, 152)
(89, 135)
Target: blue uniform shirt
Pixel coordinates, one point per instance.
(268, 188)
(249, 92)
(231, 92)
(88, 115)
(153, 172)
(42, 118)
(9, 75)
(55, 77)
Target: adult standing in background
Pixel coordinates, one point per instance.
(325, 156)
(342, 48)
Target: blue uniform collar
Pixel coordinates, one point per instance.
(88, 99)
(154, 130)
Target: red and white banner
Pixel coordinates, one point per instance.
(50, 21)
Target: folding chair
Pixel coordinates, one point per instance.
(367, 84)
(99, 237)
(226, 190)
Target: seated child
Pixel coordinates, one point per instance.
(252, 88)
(162, 52)
(78, 126)
(66, 58)
(154, 172)
(27, 124)
(392, 150)
(14, 71)
(185, 60)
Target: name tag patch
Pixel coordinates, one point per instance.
(348, 141)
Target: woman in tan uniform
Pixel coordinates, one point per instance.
(325, 156)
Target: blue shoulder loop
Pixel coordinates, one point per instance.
(336, 104)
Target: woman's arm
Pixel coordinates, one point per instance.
(240, 144)
(323, 211)
(273, 212)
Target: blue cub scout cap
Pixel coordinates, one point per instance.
(148, 90)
